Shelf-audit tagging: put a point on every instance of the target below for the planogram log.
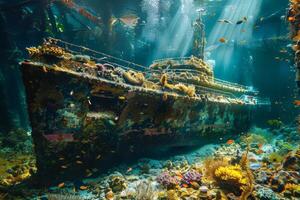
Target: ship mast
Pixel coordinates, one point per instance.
(199, 36)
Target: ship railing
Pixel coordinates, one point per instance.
(180, 60)
(255, 100)
(216, 80)
(97, 56)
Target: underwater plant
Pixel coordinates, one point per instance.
(145, 191)
(274, 123)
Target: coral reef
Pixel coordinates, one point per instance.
(167, 180)
(231, 176)
(145, 191)
(63, 197)
(191, 176)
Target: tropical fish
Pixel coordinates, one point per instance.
(230, 142)
(79, 162)
(225, 21)
(83, 187)
(60, 137)
(122, 98)
(129, 20)
(239, 22)
(223, 40)
(61, 185)
(242, 20)
(129, 170)
(185, 185)
(259, 151)
(297, 102)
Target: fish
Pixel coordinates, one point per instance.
(222, 40)
(225, 21)
(239, 22)
(297, 102)
(245, 19)
(130, 20)
(122, 98)
(59, 137)
(230, 142)
(79, 162)
(98, 157)
(129, 170)
(61, 185)
(64, 166)
(259, 145)
(291, 19)
(83, 187)
(259, 151)
(185, 185)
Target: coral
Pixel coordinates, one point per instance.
(167, 180)
(264, 193)
(145, 191)
(293, 188)
(172, 195)
(46, 49)
(117, 183)
(211, 165)
(247, 190)
(252, 138)
(292, 160)
(275, 158)
(231, 175)
(63, 197)
(134, 78)
(191, 176)
(188, 90)
(274, 123)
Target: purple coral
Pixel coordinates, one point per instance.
(191, 176)
(167, 180)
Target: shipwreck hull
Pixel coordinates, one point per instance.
(80, 122)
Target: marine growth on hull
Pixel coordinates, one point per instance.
(150, 100)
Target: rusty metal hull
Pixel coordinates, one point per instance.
(79, 122)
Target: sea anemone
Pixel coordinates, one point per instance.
(191, 176)
(167, 180)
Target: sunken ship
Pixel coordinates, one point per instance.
(88, 108)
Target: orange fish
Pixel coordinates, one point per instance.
(185, 185)
(223, 40)
(230, 142)
(260, 145)
(297, 102)
(61, 185)
(83, 187)
(259, 151)
(291, 19)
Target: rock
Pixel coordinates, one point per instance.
(117, 183)
(195, 185)
(132, 178)
(109, 195)
(288, 194)
(203, 189)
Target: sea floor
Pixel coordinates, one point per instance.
(262, 164)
